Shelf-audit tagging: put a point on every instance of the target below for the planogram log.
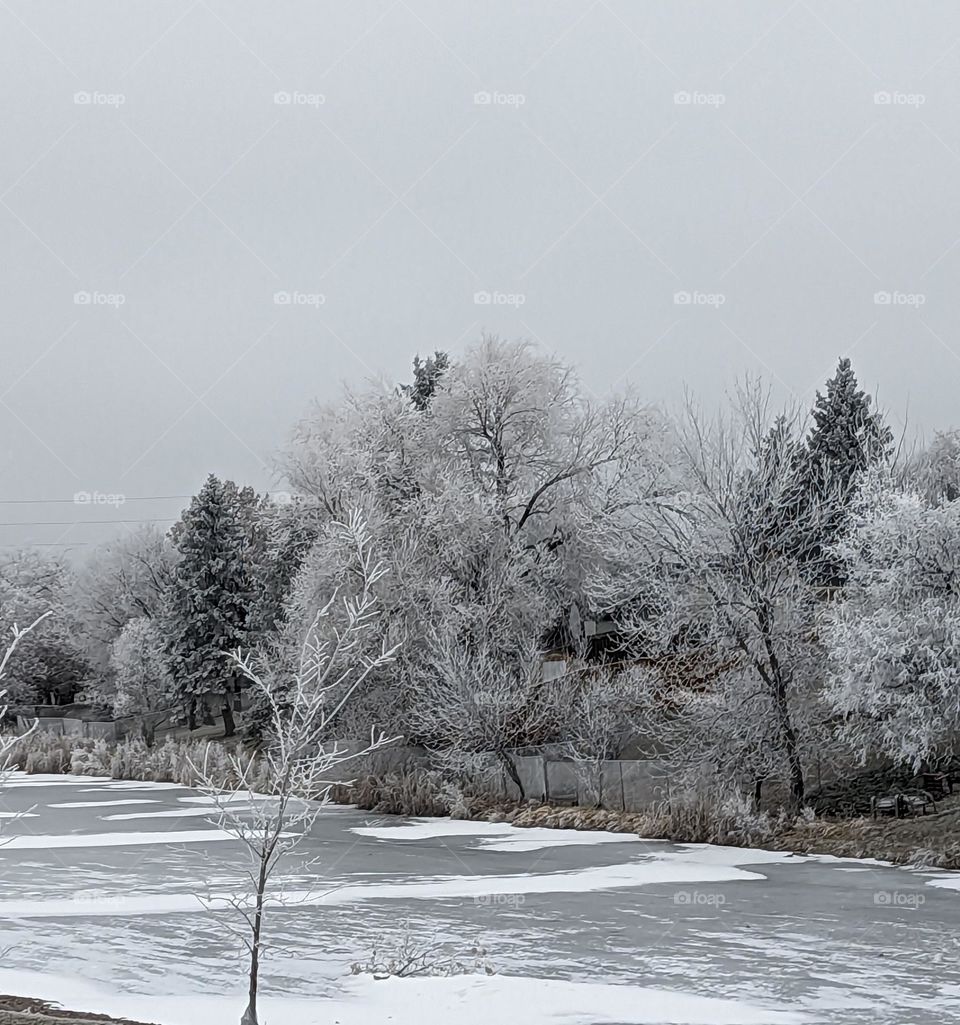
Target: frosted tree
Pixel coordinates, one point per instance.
(299, 760)
(528, 437)
(486, 503)
(606, 709)
(720, 586)
(847, 437)
(121, 580)
(426, 376)
(142, 680)
(894, 638)
(7, 742)
(935, 472)
(50, 666)
(470, 703)
(207, 604)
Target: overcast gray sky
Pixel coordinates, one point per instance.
(171, 170)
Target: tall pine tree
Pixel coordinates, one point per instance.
(213, 588)
(847, 438)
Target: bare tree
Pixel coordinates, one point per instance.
(472, 700)
(608, 707)
(299, 761)
(7, 742)
(733, 594)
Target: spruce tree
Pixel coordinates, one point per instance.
(209, 599)
(847, 438)
(426, 377)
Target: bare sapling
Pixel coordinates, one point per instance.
(7, 742)
(299, 763)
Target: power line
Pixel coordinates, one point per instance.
(77, 523)
(50, 544)
(121, 498)
(73, 501)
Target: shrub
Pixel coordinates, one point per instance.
(407, 958)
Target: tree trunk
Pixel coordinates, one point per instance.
(778, 679)
(192, 716)
(250, 1014)
(511, 770)
(757, 793)
(148, 731)
(790, 746)
(229, 726)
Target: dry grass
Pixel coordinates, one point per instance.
(931, 840)
(411, 791)
(694, 818)
(173, 761)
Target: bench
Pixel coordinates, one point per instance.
(888, 804)
(918, 802)
(901, 805)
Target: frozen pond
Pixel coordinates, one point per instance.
(101, 909)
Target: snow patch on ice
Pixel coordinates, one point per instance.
(172, 813)
(54, 842)
(100, 804)
(243, 796)
(468, 1000)
(711, 854)
(425, 829)
(48, 779)
(494, 836)
(946, 882)
(482, 889)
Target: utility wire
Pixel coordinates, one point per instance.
(76, 523)
(73, 501)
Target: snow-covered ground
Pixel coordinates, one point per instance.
(124, 912)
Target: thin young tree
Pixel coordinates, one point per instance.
(7, 743)
(299, 761)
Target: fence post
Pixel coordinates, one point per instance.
(623, 796)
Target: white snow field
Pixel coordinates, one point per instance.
(126, 913)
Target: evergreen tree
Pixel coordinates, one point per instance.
(208, 602)
(426, 377)
(846, 439)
